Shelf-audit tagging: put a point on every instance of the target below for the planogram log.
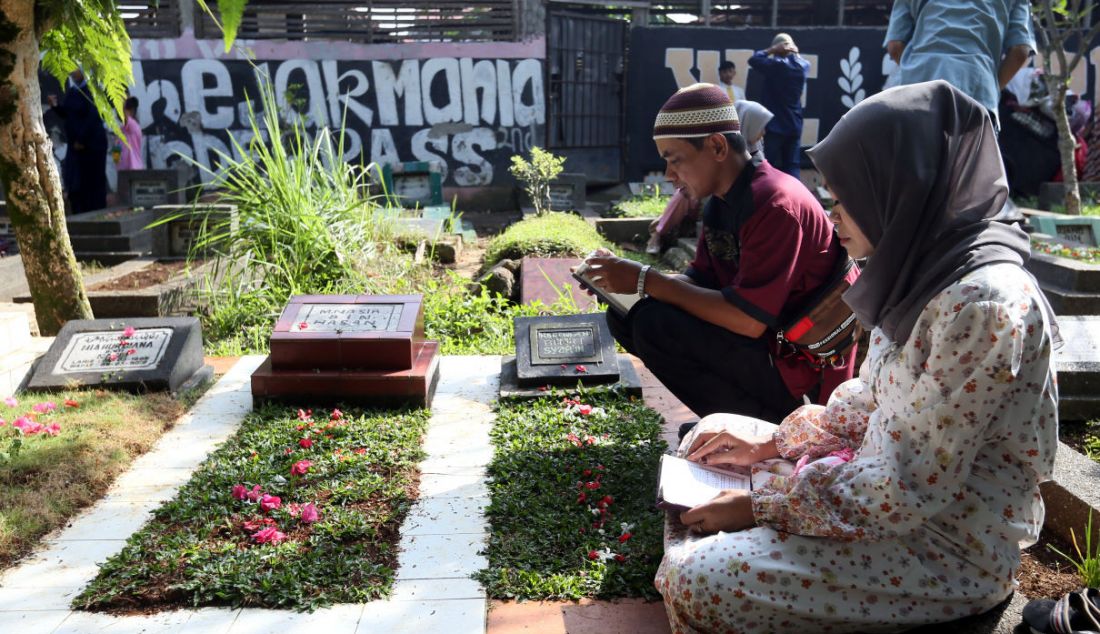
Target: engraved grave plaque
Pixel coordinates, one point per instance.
(564, 349)
(163, 353)
(553, 345)
(149, 193)
(347, 318)
(108, 352)
(1080, 233)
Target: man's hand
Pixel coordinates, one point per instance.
(894, 48)
(725, 448)
(613, 274)
(729, 511)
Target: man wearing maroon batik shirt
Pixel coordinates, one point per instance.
(766, 248)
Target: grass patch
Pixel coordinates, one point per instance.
(550, 235)
(650, 206)
(202, 547)
(550, 542)
(52, 478)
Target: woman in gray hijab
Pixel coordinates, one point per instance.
(913, 489)
(754, 119)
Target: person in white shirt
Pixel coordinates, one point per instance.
(727, 70)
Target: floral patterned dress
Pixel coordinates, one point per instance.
(952, 432)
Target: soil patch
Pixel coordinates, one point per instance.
(1044, 574)
(155, 273)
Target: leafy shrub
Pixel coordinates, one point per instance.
(551, 235)
(536, 176)
(476, 323)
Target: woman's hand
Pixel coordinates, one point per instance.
(725, 448)
(729, 511)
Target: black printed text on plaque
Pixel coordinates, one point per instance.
(552, 344)
(347, 318)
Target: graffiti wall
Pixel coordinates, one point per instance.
(846, 66)
(470, 114)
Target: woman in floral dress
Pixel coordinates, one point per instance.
(918, 483)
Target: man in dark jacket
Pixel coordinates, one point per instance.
(84, 170)
(785, 73)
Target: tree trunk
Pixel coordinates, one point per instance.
(31, 179)
(1067, 144)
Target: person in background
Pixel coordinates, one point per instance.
(754, 122)
(680, 208)
(785, 73)
(727, 70)
(84, 169)
(977, 46)
(131, 155)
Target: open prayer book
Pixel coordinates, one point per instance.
(621, 302)
(683, 484)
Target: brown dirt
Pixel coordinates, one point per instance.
(1043, 573)
(155, 273)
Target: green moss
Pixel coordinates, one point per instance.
(551, 235)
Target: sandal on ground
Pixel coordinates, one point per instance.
(1075, 613)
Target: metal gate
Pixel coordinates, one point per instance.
(586, 74)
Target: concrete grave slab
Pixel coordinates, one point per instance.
(548, 279)
(94, 352)
(629, 382)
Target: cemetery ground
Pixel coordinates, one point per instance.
(259, 518)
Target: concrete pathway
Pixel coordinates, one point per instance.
(440, 540)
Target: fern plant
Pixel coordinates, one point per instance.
(90, 35)
(232, 12)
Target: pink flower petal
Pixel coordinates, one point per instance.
(11, 402)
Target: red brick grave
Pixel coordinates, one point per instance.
(368, 349)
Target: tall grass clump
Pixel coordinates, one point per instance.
(305, 223)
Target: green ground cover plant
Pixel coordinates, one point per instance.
(60, 452)
(299, 509)
(573, 485)
(645, 206)
(551, 235)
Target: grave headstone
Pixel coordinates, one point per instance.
(1081, 230)
(112, 235)
(567, 192)
(177, 235)
(547, 279)
(414, 183)
(350, 347)
(561, 350)
(159, 354)
(149, 188)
